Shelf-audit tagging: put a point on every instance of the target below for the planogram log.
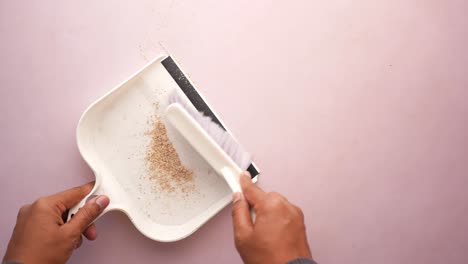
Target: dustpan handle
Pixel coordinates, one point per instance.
(97, 190)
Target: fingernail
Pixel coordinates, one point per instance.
(237, 196)
(102, 201)
(246, 175)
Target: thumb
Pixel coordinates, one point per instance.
(88, 213)
(241, 217)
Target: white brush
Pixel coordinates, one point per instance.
(227, 157)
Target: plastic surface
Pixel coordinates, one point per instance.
(111, 138)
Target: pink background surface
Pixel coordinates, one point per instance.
(355, 110)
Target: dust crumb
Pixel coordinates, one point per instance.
(156, 106)
(164, 166)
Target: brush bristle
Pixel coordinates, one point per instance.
(233, 149)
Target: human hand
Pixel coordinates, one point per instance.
(42, 236)
(278, 233)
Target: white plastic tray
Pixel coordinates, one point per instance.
(111, 138)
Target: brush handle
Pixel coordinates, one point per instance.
(231, 176)
(204, 145)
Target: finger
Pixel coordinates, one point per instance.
(86, 215)
(253, 194)
(77, 242)
(90, 233)
(241, 216)
(69, 198)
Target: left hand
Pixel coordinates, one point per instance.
(42, 236)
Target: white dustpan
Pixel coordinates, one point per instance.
(111, 138)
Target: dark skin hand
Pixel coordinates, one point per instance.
(40, 234)
(278, 234)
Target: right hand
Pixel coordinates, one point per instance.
(278, 233)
